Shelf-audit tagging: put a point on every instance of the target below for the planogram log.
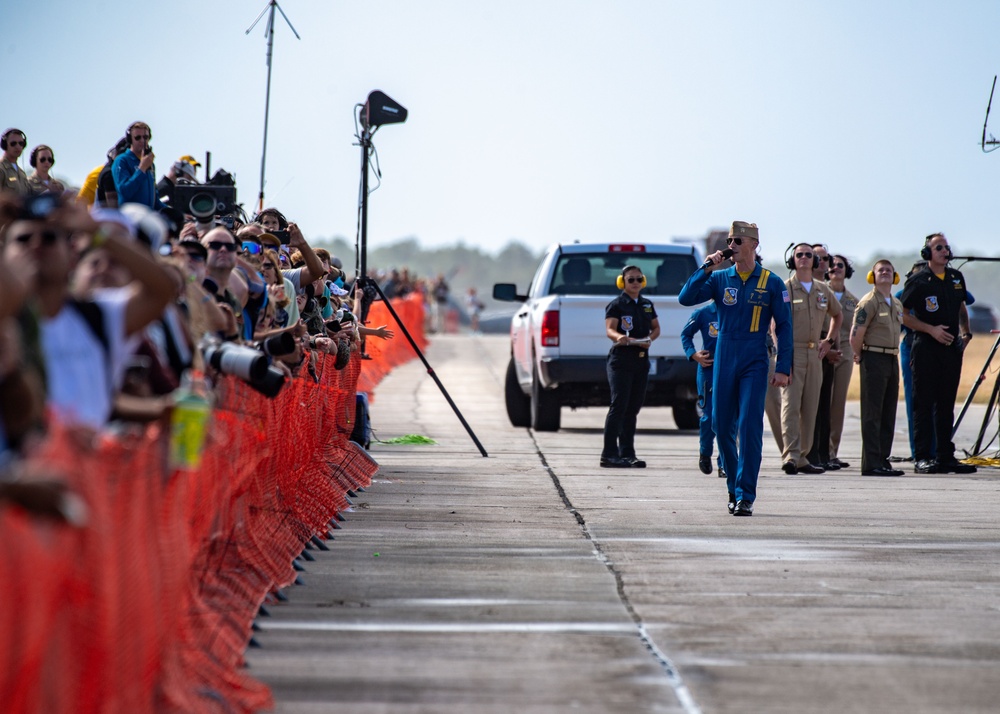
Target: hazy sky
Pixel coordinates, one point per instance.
(855, 123)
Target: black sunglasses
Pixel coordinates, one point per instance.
(634, 280)
(940, 246)
(46, 159)
(18, 143)
(838, 266)
(144, 137)
(734, 240)
(803, 255)
(222, 245)
(48, 237)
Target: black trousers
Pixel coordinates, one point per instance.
(937, 369)
(627, 377)
(879, 395)
(820, 452)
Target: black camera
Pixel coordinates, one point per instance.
(248, 364)
(278, 345)
(205, 202)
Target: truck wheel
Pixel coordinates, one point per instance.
(518, 403)
(686, 415)
(545, 408)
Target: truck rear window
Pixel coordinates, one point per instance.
(597, 273)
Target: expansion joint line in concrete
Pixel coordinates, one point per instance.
(673, 675)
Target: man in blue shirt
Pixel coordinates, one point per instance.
(704, 321)
(133, 171)
(748, 297)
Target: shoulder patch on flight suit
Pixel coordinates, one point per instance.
(713, 329)
(730, 296)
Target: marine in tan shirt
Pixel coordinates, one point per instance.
(875, 341)
(811, 301)
(12, 177)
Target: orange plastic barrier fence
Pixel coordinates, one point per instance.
(149, 607)
(386, 354)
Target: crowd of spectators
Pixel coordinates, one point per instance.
(110, 297)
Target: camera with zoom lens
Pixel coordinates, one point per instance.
(246, 363)
(278, 345)
(210, 201)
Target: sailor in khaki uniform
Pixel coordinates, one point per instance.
(841, 269)
(875, 341)
(811, 302)
(12, 177)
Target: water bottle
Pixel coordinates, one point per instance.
(189, 422)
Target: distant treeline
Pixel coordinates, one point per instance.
(464, 266)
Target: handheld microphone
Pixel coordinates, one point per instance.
(726, 253)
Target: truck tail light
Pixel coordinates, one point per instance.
(550, 329)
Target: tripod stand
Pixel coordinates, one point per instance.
(365, 139)
(977, 449)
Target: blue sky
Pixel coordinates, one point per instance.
(851, 123)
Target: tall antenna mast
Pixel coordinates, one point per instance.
(269, 32)
(992, 143)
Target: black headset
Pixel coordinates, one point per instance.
(34, 155)
(133, 125)
(282, 221)
(925, 252)
(3, 137)
(790, 258)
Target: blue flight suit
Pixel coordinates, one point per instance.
(704, 321)
(741, 362)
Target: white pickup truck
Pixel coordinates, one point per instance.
(558, 345)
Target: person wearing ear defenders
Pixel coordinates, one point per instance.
(40, 181)
(934, 301)
(12, 176)
(875, 342)
(631, 324)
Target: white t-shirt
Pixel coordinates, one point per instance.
(77, 365)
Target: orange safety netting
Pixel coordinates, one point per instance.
(387, 354)
(149, 607)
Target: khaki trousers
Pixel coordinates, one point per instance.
(842, 372)
(772, 406)
(799, 402)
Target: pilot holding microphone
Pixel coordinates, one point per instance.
(748, 297)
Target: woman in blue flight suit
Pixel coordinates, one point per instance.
(704, 321)
(630, 322)
(748, 297)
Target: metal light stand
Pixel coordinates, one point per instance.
(364, 281)
(269, 31)
(972, 393)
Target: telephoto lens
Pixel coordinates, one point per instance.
(278, 345)
(271, 383)
(244, 362)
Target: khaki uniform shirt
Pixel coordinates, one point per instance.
(12, 178)
(37, 186)
(882, 320)
(810, 310)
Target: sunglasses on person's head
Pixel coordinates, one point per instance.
(221, 245)
(634, 279)
(803, 254)
(48, 237)
(252, 248)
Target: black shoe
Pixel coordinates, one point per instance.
(811, 469)
(789, 468)
(955, 467)
(841, 464)
(744, 508)
(882, 471)
(722, 472)
(831, 466)
(634, 462)
(732, 503)
(705, 463)
(615, 462)
(926, 466)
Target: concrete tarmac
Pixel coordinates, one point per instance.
(534, 581)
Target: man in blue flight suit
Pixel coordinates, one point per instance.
(704, 321)
(630, 322)
(748, 297)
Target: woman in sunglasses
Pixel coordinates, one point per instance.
(42, 159)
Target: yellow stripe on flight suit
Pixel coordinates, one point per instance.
(755, 318)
